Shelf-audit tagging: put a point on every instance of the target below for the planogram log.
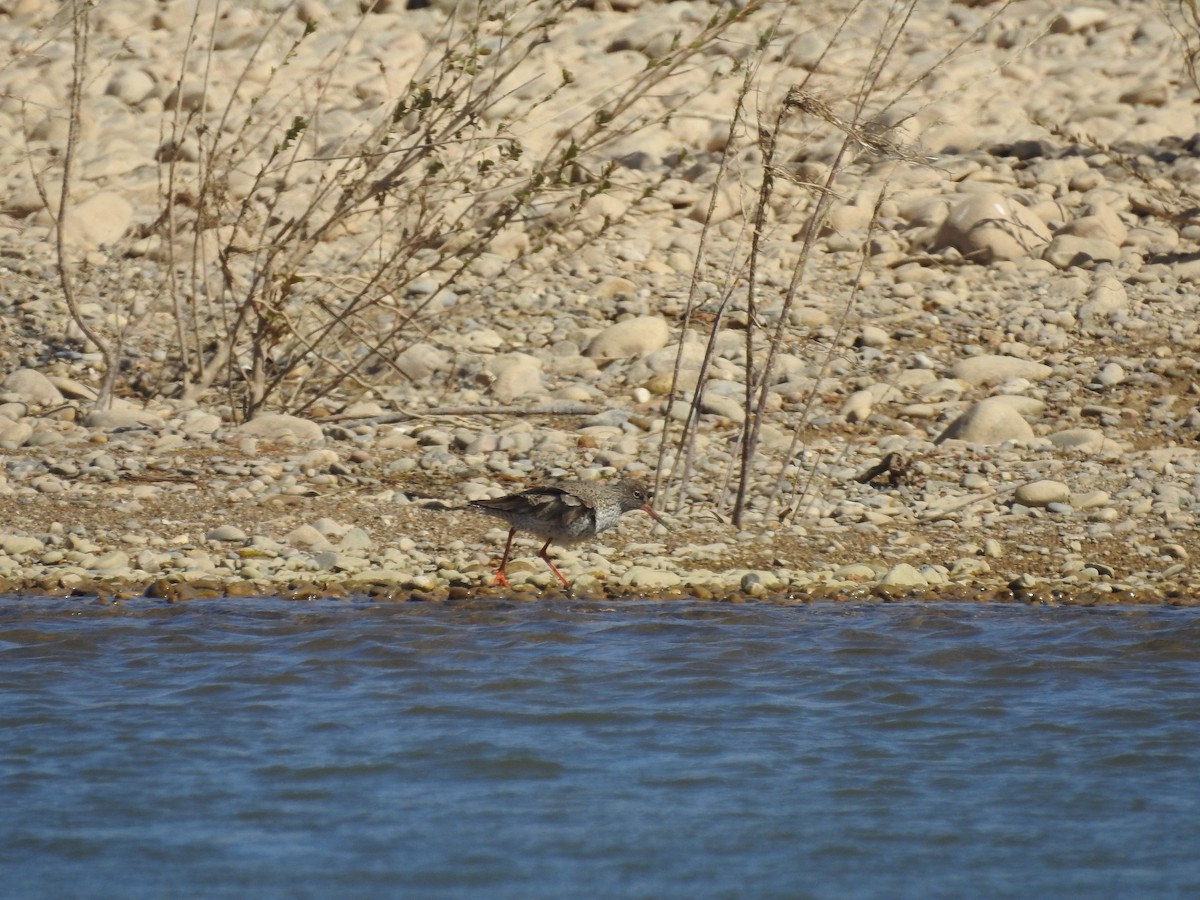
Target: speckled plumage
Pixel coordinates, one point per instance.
(565, 511)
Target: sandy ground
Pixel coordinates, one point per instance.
(1024, 335)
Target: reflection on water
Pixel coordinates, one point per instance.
(238, 748)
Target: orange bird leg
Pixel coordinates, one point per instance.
(553, 568)
(500, 579)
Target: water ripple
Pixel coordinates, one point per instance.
(522, 750)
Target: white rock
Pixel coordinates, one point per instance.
(662, 362)
(225, 533)
(942, 389)
(48, 484)
(1090, 499)
(1068, 250)
(421, 361)
(613, 286)
(69, 387)
(282, 427)
(646, 578)
(515, 374)
(355, 539)
(857, 407)
(994, 369)
(307, 535)
(988, 227)
(1085, 440)
(730, 203)
(1111, 375)
(364, 409)
(1042, 493)
(315, 11)
(1107, 297)
(196, 421)
(904, 575)
(723, 405)
(102, 218)
(14, 434)
(1101, 222)
(20, 545)
(510, 244)
(33, 387)
(330, 527)
(858, 572)
(969, 567)
(991, 421)
(1075, 19)
(808, 317)
(873, 336)
(631, 337)
(83, 545)
(151, 561)
(130, 86)
(113, 559)
(319, 459)
(122, 420)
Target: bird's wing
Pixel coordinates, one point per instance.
(551, 503)
(559, 504)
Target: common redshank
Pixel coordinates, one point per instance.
(567, 512)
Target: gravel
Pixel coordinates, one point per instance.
(1000, 406)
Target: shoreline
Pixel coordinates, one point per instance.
(227, 516)
(172, 591)
(985, 381)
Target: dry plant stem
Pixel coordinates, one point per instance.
(182, 331)
(752, 422)
(685, 458)
(797, 99)
(830, 352)
(1189, 36)
(502, 219)
(730, 469)
(880, 57)
(454, 85)
(207, 285)
(432, 177)
(692, 421)
(598, 133)
(222, 355)
(853, 135)
(756, 411)
(199, 285)
(300, 235)
(953, 51)
(259, 311)
(748, 440)
(81, 25)
(550, 409)
(941, 512)
(342, 320)
(681, 470)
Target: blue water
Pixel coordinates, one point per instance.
(268, 749)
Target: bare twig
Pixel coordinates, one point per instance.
(80, 25)
(549, 409)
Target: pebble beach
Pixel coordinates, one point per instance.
(986, 390)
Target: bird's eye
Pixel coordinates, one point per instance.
(639, 495)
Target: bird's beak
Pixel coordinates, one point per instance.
(656, 517)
